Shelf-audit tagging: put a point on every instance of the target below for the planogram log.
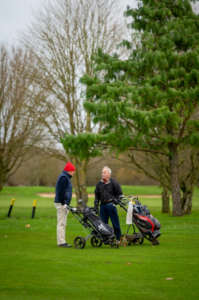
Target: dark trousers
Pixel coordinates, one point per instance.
(109, 210)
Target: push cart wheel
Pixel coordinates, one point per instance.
(79, 242)
(139, 240)
(114, 244)
(125, 240)
(95, 242)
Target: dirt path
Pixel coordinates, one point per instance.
(52, 195)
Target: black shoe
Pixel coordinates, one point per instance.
(65, 245)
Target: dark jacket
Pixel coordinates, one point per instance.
(105, 192)
(63, 189)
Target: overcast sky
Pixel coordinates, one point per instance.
(16, 15)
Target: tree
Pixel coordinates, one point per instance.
(156, 167)
(62, 37)
(20, 131)
(148, 102)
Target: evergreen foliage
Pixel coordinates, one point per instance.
(148, 101)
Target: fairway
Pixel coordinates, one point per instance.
(33, 267)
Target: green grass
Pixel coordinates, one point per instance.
(135, 190)
(141, 190)
(127, 190)
(33, 267)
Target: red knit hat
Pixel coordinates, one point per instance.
(69, 167)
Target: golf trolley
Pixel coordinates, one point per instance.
(143, 220)
(100, 233)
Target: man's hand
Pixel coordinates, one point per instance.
(115, 201)
(96, 207)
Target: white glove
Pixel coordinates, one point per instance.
(129, 216)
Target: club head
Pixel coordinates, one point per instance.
(80, 201)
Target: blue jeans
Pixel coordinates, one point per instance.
(109, 210)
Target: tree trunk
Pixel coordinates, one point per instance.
(187, 186)
(165, 200)
(2, 177)
(79, 181)
(175, 185)
(187, 200)
(82, 180)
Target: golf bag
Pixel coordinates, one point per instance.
(145, 222)
(105, 230)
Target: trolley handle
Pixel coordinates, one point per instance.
(121, 200)
(71, 208)
(82, 202)
(131, 198)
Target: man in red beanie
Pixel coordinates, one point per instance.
(63, 196)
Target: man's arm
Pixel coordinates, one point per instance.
(63, 182)
(97, 197)
(117, 189)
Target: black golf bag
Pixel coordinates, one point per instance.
(105, 230)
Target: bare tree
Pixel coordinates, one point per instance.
(63, 36)
(20, 131)
(157, 167)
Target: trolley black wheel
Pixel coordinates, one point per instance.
(125, 240)
(95, 242)
(114, 244)
(79, 242)
(139, 240)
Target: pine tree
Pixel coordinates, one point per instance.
(148, 101)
